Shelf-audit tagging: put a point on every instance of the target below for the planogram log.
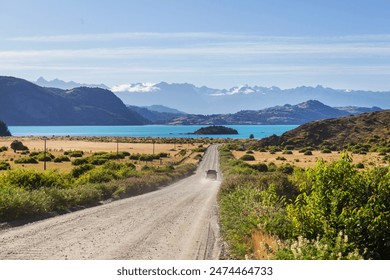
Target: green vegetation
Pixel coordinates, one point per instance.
(3, 149)
(26, 160)
(333, 211)
(26, 193)
(75, 154)
(248, 157)
(4, 165)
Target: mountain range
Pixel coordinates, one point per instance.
(57, 83)
(279, 115)
(25, 103)
(204, 100)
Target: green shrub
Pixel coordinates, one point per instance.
(33, 179)
(200, 150)
(287, 152)
(248, 158)
(261, 167)
(79, 161)
(4, 165)
(81, 169)
(3, 149)
(272, 167)
(360, 165)
(307, 149)
(42, 157)
(26, 160)
(286, 169)
(76, 154)
(145, 168)
(308, 153)
(61, 159)
(281, 158)
(97, 175)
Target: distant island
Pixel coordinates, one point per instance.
(215, 129)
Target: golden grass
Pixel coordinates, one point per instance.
(301, 160)
(264, 245)
(58, 146)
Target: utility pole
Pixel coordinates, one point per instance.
(44, 154)
(117, 147)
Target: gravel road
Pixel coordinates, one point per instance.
(175, 222)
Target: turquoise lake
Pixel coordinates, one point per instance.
(181, 131)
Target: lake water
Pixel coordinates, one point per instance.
(181, 131)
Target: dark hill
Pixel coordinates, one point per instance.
(4, 129)
(365, 128)
(279, 115)
(24, 103)
(156, 117)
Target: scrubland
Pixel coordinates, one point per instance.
(305, 205)
(82, 173)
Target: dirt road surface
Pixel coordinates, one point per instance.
(176, 222)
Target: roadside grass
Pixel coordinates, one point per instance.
(333, 210)
(303, 160)
(27, 193)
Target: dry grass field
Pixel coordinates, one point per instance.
(57, 147)
(301, 160)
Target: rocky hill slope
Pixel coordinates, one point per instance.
(367, 128)
(24, 103)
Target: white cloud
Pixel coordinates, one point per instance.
(188, 56)
(139, 87)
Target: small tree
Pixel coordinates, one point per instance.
(18, 145)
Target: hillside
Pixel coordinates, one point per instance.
(279, 115)
(24, 103)
(157, 114)
(367, 128)
(4, 129)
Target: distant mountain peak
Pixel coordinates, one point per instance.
(311, 103)
(205, 100)
(57, 83)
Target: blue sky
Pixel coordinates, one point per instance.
(285, 43)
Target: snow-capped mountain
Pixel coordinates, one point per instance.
(203, 100)
(56, 83)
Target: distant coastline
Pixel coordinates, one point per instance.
(153, 131)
